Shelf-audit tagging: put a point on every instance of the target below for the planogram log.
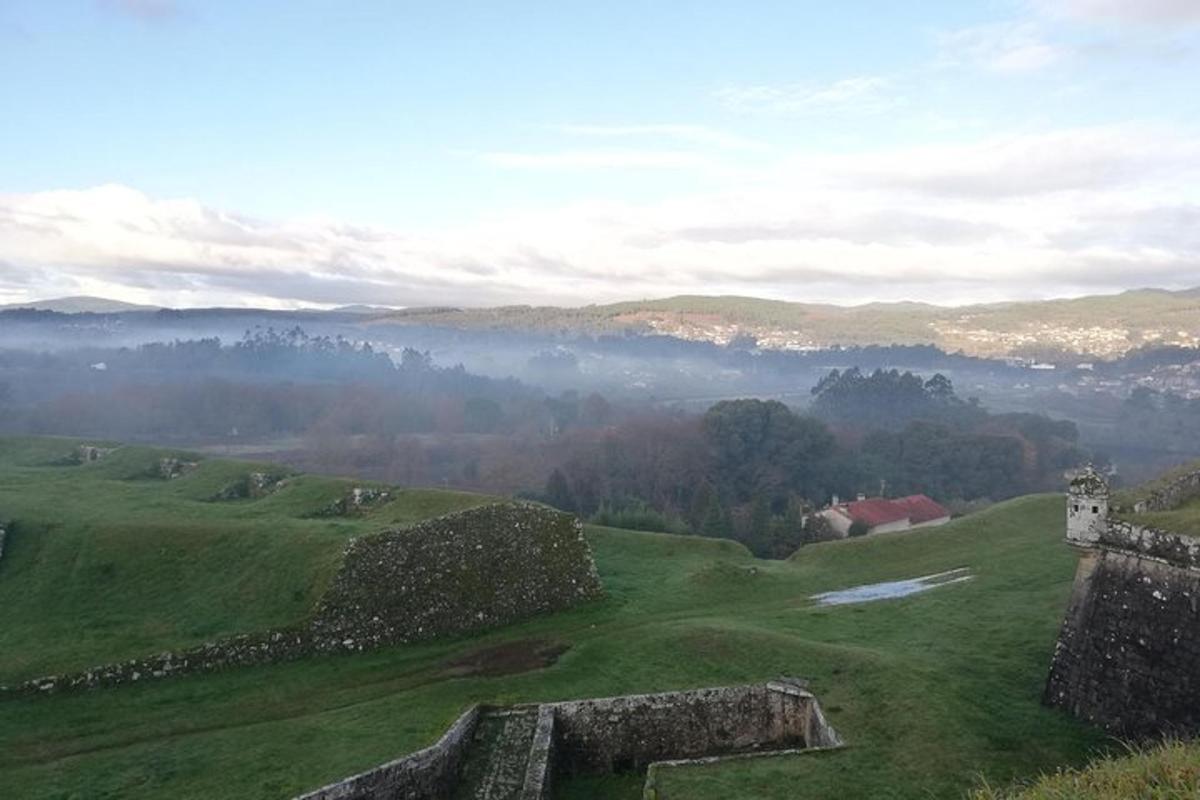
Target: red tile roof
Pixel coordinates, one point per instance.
(877, 511)
(923, 509)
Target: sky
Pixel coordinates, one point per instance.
(289, 153)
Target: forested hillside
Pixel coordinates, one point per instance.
(753, 469)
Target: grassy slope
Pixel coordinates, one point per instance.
(106, 563)
(930, 691)
(1185, 519)
(1170, 771)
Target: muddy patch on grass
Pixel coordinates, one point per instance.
(509, 658)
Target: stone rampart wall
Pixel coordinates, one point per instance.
(476, 569)
(615, 734)
(1172, 548)
(1171, 495)
(1128, 655)
(631, 732)
(480, 568)
(539, 776)
(429, 774)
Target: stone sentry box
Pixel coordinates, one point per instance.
(613, 734)
(1128, 653)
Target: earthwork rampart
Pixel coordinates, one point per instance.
(475, 569)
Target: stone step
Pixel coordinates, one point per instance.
(495, 765)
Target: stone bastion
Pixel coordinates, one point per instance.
(1128, 653)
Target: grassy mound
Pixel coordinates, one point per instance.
(930, 691)
(108, 560)
(1170, 771)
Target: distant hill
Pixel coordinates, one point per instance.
(80, 305)
(1065, 331)
(358, 308)
(1100, 326)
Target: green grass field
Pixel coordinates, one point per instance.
(932, 693)
(107, 563)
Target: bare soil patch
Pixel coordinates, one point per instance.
(509, 658)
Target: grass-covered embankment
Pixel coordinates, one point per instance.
(108, 561)
(930, 691)
(1169, 771)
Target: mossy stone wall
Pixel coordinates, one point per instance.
(475, 569)
(1128, 654)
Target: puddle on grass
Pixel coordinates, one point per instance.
(891, 589)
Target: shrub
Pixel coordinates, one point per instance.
(637, 516)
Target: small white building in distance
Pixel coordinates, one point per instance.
(885, 515)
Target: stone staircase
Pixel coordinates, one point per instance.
(495, 765)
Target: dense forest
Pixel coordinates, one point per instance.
(751, 469)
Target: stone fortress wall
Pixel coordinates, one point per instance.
(518, 753)
(480, 568)
(432, 772)
(474, 569)
(1128, 653)
(1172, 494)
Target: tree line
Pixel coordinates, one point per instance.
(755, 470)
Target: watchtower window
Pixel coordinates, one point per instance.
(1095, 509)
(1075, 508)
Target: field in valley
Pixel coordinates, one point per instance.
(931, 692)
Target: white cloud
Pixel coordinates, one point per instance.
(1069, 211)
(597, 159)
(862, 94)
(694, 134)
(1138, 11)
(1103, 158)
(1006, 47)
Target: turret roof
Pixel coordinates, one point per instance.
(1089, 482)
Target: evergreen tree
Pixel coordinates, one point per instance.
(558, 491)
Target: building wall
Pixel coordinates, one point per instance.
(841, 523)
(838, 521)
(892, 527)
(1087, 516)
